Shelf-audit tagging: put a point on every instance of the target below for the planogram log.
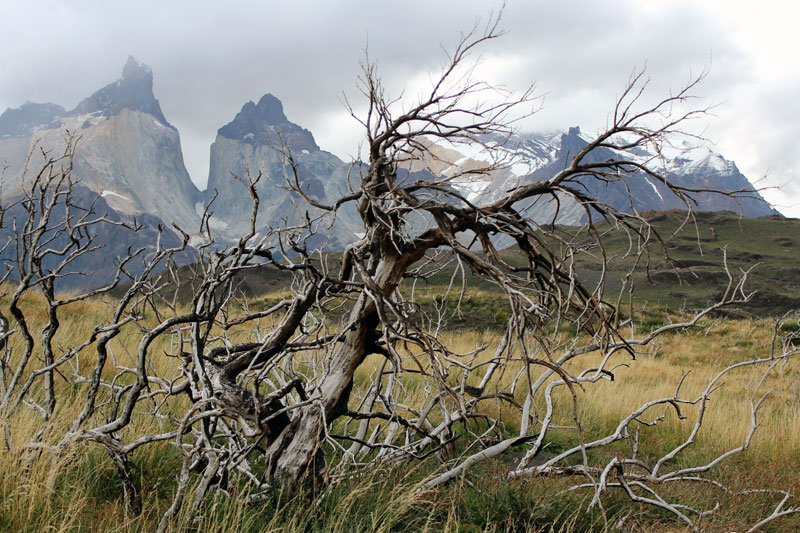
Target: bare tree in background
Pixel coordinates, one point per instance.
(265, 397)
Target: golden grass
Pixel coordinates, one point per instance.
(39, 499)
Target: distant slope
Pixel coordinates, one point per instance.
(689, 275)
(536, 157)
(687, 271)
(692, 274)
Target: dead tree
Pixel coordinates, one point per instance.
(264, 397)
(51, 231)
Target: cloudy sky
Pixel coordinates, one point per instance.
(210, 57)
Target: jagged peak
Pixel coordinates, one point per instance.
(134, 68)
(265, 123)
(29, 117)
(270, 109)
(133, 91)
(570, 144)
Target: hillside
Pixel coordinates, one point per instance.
(686, 272)
(690, 271)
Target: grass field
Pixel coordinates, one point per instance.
(81, 491)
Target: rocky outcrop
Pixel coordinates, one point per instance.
(135, 162)
(253, 144)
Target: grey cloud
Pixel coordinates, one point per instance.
(209, 59)
(772, 122)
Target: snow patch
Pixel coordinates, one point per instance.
(653, 185)
(77, 121)
(106, 194)
(522, 168)
(215, 223)
(475, 151)
(685, 158)
(718, 163)
(521, 160)
(196, 241)
(701, 159)
(471, 189)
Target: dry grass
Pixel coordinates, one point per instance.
(80, 492)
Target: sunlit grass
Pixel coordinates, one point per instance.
(79, 492)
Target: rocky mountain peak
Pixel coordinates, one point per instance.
(571, 143)
(266, 124)
(29, 117)
(269, 110)
(133, 91)
(134, 69)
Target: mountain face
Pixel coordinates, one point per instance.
(134, 91)
(92, 270)
(126, 152)
(253, 144)
(26, 119)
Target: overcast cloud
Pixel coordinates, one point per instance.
(208, 59)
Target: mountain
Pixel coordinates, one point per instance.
(127, 159)
(253, 144)
(29, 117)
(126, 150)
(266, 124)
(538, 156)
(134, 91)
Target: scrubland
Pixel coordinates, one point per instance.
(81, 491)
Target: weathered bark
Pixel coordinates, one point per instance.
(297, 456)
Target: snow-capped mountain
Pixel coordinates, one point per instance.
(532, 157)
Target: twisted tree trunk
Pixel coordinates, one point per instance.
(296, 456)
